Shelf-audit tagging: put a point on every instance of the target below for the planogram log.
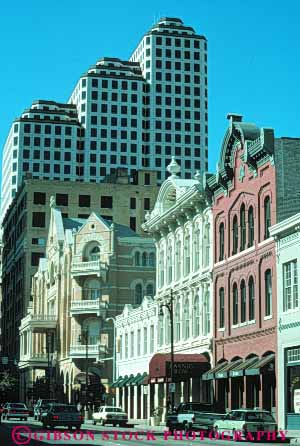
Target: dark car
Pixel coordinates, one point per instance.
(15, 410)
(61, 415)
(40, 407)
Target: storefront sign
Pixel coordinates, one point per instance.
(185, 369)
(297, 400)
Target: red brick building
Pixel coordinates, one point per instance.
(244, 207)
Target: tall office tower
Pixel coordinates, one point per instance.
(134, 114)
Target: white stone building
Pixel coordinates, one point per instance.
(181, 223)
(287, 236)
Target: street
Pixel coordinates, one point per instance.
(31, 433)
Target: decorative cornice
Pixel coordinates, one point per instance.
(246, 337)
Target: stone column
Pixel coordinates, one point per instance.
(165, 401)
(117, 390)
(142, 402)
(156, 396)
(149, 401)
(135, 402)
(129, 402)
(191, 390)
(182, 391)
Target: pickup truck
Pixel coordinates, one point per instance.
(193, 416)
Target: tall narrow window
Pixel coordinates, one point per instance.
(170, 262)
(144, 259)
(178, 259)
(137, 259)
(167, 328)
(187, 255)
(162, 267)
(186, 319)
(145, 351)
(161, 332)
(197, 242)
(178, 322)
(243, 301)
(152, 259)
(206, 247)
(138, 340)
(290, 286)
(138, 294)
(132, 344)
(221, 242)
(150, 290)
(243, 227)
(196, 314)
(221, 308)
(250, 226)
(251, 300)
(126, 346)
(267, 216)
(235, 303)
(235, 235)
(151, 338)
(121, 346)
(206, 314)
(268, 293)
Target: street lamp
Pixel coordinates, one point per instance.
(169, 306)
(84, 338)
(114, 347)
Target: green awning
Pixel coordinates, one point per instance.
(142, 378)
(266, 363)
(240, 369)
(115, 384)
(211, 373)
(122, 381)
(224, 372)
(130, 381)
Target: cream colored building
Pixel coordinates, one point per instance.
(181, 224)
(89, 273)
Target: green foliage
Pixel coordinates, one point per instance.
(7, 382)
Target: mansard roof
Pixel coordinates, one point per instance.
(257, 143)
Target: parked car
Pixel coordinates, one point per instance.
(40, 406)
(61, 415)
(193, 415)
(244, 421)
(15, 410)
(110, 415)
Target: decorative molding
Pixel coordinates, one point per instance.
(246, 337)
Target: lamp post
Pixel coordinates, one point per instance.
(48, 341)
(169, 306)
(114, 348)
(84, 338)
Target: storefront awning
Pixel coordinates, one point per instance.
(240, 369)
(211, 373)
(265, 364)
(185, 366)
(224, 372)
(130, 381)
(122, 381)
(138, 379)
(115, 384)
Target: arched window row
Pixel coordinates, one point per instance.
(243, 229)
(140, 291)
(192, 318)
(144, 258)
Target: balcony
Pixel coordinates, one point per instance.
(37, 360)
(39, 323)
(95, 351)
(90, 304)
(88, 268)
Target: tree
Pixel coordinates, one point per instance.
(7, 382)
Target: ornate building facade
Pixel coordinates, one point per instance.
(244, 207)
(90, 271)
(181, 224)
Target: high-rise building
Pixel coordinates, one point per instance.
(136, 114)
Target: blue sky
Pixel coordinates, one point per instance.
(253, 54)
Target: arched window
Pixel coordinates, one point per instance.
(150, 290)
(221, 308)
(94, 253)
(167, 328)
(186, 319)
(92, 290)
(206, 314)
(92, 326)
(187, 254)
(162, 267)
(243, 227)
(235, 235)
(243, 301)
(196, 325)
(144, 259)
(178, 259)
(178, 323)
(197, 243)
(152, 259)
(221, 242)
(170, 262)
(138, 294)
(161, 331)
(268, 293)
(137, 258)
(267, 216)
(235, 303)
(250, 226)
(251, 299)
(206, 245)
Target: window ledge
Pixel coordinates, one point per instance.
(266, 318)
(241, 253)
(251, 322)
(266, 241)
(221, 329)
(243, 324)
(291, 311)
(235, 326)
